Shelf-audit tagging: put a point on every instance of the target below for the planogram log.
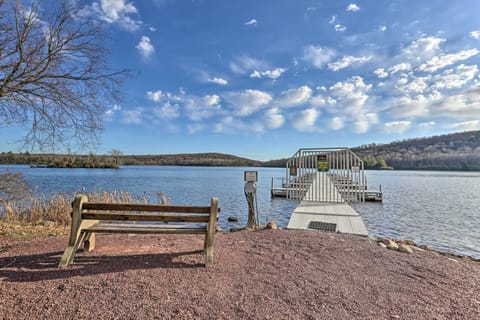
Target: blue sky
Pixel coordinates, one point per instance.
(262, 79)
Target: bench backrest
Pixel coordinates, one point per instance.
(148, 212)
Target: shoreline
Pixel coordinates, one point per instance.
(265, 274)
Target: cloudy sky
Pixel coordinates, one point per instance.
(261, 79)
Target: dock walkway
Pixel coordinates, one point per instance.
(328, 211)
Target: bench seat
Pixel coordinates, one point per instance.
(90, 218)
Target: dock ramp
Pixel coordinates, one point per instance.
(326, 181)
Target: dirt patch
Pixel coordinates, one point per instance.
(269, 274)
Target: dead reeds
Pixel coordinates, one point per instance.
(57, 208)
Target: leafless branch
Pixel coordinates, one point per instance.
(54, 79)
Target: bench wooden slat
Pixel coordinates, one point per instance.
(164, 217)
(91, 218)
(144, 207)
(144, 229)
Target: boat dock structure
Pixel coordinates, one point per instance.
(326, 181)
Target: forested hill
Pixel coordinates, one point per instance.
(457, 151)
(116, 158)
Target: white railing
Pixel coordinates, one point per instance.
(325, 175)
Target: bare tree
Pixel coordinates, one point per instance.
(115, 154)
(54, 79)
(12, 187)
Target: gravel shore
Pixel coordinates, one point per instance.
(268, 274)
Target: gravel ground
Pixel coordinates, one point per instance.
(269, 274)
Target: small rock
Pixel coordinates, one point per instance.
(218, 229)
(237, 229)
(424, 247)
(418, 249)
(232, 219)
(392, 246)
(381, 244)
(405, 248)
(271, 225)
(451, 259)
(410, 243)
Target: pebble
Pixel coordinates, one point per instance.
(232, 219)
(405, 248)
(271, 225)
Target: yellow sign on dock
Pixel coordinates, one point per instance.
(322, 163)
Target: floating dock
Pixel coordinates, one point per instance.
(326, 181)
(327, 216)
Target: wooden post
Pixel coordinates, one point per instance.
(211, 232)
(251, 211)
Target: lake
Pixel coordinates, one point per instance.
(439, 209)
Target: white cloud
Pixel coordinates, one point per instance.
(153, 29)
(219, 81)
(465, 104)
(475, 34)
(347, 61)
(382, 28)
(381, 73)
(400, 67)
(340, 28)
(353, 7)
(154, 95)
(252, 22)
(348, 99)
(364, 121)
(454, 78)
(201, 108)
(132, 116)
(305, 120)
(439, 62)
(272, 74)
(423, 48)
(274, 119)
(294, 97)
(318, 56)
(244, 64)
(117, 11)
(419, 105)
(194, 128)
(145, 47)
(332, 19)
(167, 111)
(337, 123)
(352, 93)
(248, 102)
(467, 125)
(110, 112)
(426, 125)
(398, 127)
(317, 101)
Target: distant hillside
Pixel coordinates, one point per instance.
(457, 151)
(95, 161)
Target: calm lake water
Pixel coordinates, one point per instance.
(439, 209)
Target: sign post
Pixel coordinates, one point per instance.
(250, 189)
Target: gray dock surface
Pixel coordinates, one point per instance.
(329, 211)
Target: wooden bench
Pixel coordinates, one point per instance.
(89, 218)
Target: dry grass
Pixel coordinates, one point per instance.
(51, 216)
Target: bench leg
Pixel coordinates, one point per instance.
(70, 251)
(209, 256)
(89, 243)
